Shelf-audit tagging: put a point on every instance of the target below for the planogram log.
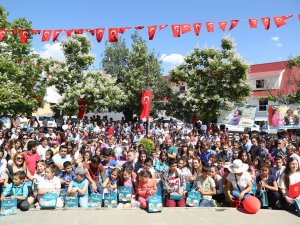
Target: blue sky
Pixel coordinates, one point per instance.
(254, 45)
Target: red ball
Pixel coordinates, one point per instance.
(251, 205)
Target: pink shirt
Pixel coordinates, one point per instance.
(129, 183)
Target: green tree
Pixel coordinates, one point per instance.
(138, 68)
(22, 85)
(215, 78)
(74, 82)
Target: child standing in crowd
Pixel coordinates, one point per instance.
(206, 186)
(174, 184)
(78, 187)
(50, 184)
(146, 188)
(128, 181)
(18, 189)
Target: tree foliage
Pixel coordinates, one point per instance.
(215, 78)
(135, 69)
(22, 85)
(73, 80)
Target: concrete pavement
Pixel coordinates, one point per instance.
(169, 216)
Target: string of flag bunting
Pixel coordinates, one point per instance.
(113, 33)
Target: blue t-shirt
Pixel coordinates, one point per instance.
(205, 156)
(80, 185)
(107, 171)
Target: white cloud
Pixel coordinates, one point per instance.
(278, 45)
(174, 58)
(52, 51)
(276, 38)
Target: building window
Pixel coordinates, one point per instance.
(263, 103)
(182, 89)
(260, 83)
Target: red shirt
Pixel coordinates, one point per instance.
(30, 161)
(110, 131)
(95, 173)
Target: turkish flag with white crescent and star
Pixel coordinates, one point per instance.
(139, 27)
(222, 25)
(266, 22)
(279, 20)
(91, 31)
(197, 28)
(151, 32)
(253, 23)
(113, 34)
(99, 34)
(24, 36)
(56, 33)
(146, 103)
(81, 108)
(210, 26)
(176, 30)
(185, 28)
(3, 33)
(78, 31)
(123, 29)
(233, 24)
(69, 32)
(35, 31)
(162, 26)
(46, 35)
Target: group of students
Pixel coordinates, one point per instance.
(222, 170)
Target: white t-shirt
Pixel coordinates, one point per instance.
(42, 152)
(242, 180)
(294, 178)
(49, 185)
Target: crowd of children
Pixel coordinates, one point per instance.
(224, 170)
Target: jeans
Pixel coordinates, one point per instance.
(236, 194)
(207, 203)
(84, 201)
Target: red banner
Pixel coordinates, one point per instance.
(146, 103)
(81, 108)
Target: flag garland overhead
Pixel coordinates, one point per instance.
(177, 29)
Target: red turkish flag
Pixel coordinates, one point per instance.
(288, 16)
(233, 24)
(69, 32)
(78, 31)
(253, 23)
(56, 34)
(123, 29)
(24, 36)
(81, 108)
(151, 32)
(185, 28)
(35, 31)
(266, 22)
(15, 31)
(99, 34)
(3, 33)
(162, 26)
(91, 31)
(222, 25)
(279, 20)
(197, 28)
(176, 30)
(299, 17)
(139, 27)
(113, 34)
(210, 26)
(146, 103)
(46, 35)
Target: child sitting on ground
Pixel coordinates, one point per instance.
(19, 190)
(112, 183)
(146, 188)
(128, 181)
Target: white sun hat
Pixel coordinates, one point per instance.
(238, 166)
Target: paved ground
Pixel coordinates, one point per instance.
(169, 216)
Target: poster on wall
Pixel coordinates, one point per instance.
(239, 115)
(284, 116)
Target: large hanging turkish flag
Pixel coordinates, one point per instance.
(146, 103)
(81, 108)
